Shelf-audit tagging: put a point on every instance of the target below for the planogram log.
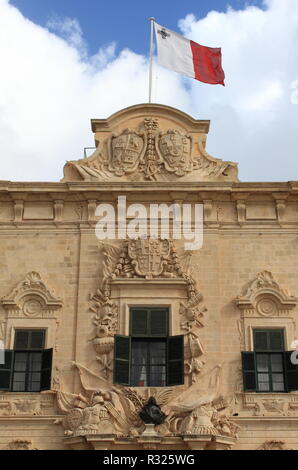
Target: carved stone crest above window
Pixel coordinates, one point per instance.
(264, 297)
(31, 298)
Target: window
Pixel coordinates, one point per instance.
(269, 367)
(149, 357)
(27, 367)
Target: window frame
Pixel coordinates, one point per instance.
(269, 352)
(147, 337)
(250, 370)
(45, 365)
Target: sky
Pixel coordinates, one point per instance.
(64, 62)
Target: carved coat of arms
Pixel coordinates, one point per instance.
(149, 256)
(175, 149)
(125, 152)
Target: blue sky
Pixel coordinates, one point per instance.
(64, 62)
(125, 22)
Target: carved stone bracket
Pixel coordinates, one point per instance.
(240, 199)
(280, 202)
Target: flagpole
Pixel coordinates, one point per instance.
(151, 58)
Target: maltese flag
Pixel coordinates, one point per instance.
(177, 53)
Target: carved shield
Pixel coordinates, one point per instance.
(126, 150)
(149, 256)
(73, 419)
(175, 149)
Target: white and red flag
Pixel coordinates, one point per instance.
(184, 56)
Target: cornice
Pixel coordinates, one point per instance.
(13, 188)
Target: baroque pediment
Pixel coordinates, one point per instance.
(31, 298)
(264, 292)
(150, 142)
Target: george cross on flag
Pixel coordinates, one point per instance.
(184, 56)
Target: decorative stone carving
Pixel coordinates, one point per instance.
(192, 350)
(21, 444)
(199, 409)
(271, 404)
(152, 148)
(266, 298)
(191, 313)
(31, 298)
(13, 406)
(225, 426)
(175, 150)
(147, 258)
(273, 445)
(106, 322)
(126, 151)
(109, 410)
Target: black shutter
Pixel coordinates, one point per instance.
(122, 359)
(291, 371)
(159, 322)
(249, 372)
(175, 360)
(46, 369)
(6, 370)
(139, 322)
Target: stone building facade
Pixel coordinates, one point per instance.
(93, 328)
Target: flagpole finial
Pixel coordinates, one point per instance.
(152, 18)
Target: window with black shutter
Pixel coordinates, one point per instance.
(269, 368)
(27, 368)
(149, 357)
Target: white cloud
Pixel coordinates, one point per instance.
(253, 119)
(50, 88)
